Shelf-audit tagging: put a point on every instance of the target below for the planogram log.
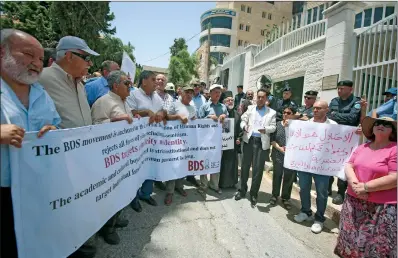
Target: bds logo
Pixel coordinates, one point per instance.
(194, 165)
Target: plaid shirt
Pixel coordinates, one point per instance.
(167, 100)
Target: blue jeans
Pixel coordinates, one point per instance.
(144, 192)
(321, 186)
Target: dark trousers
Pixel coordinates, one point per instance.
(253, 153)
(8, 241)
(288, 176)
(341, 185)
(109, 226)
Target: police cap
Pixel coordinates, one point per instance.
(311, 93)
(345, 83)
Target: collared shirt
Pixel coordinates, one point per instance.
(198, 101)
(327, 121)
(257, 124)
(388, 109)
(178, 108)
(109, 106)
(308, 112)
(139, 100)
(96, 89)
(69, 97)
(209, 109)
(41, 112)
(167, 100)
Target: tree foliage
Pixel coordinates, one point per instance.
(50, 21)
(182, 67)
(179, 44)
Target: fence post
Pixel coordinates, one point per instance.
(338, 46)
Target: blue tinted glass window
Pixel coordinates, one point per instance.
(321, 9)
(389, 10)
(309, 16)
(218, 22)
(218, 40)
(219, 56)
(368, 17)
(358, 20)
(378, 14)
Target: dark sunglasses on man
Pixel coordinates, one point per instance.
(84, 57)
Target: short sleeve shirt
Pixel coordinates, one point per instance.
(178, 108)
(372, 164)
(209, 108)
(139, 100)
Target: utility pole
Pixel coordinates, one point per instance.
(208, 55)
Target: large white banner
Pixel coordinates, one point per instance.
(228, 134)
(66, 185)
(319, 148)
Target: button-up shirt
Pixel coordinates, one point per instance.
(69, 97)
(41, 112)
(209, 109)
(167, 100)
(198, 101)
(260, 113)
(139, 100)
(96, 89)
(107, 107)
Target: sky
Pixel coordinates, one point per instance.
(151, 27)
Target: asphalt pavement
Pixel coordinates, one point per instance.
(217, 226)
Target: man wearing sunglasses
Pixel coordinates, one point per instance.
(306, 112)
(62, 82)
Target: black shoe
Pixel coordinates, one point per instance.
(239, 195)
(121, 223)
(136, 206)
(85, 251)
(160, 185)
(338, 199)
(192, 180)
(150, 201)
(111, 238)
(330, 193)
(253, 200)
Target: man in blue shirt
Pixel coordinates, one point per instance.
(25, 106)
(389, 108)
(98, 88)
(218, 112)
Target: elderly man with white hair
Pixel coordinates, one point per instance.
(25, 106)
(63, 82)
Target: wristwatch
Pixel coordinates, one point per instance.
(365, 186)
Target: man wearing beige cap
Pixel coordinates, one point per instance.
(62, 82)
(218, 112)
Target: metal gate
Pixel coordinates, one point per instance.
(375, 63)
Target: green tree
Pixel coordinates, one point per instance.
(179, 44)
(87, 20)
(182, 67)
(138, 71)
(31, 17)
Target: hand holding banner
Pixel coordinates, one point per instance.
(319, 148)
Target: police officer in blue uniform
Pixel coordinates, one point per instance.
(344, 110)
(306, 111)
(280, 104)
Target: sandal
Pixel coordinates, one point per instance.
(273, 200)
(181, 191)
(287, 204)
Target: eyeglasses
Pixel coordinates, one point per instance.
(196, 85)
(84, 57)
(287, 113)
(127, 83)
(386, 124)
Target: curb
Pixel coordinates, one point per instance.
(332, 211)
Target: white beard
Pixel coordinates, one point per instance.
(230, 107)
(16, 70)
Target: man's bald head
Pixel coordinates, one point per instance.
(161, 81)
(321, 108)
(21, 57)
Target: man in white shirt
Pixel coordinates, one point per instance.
(258, 122)
(112, 108)
(183, 111)
(321, 108)
(146, 103)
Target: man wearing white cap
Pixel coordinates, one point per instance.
(218, 112)
(62, 82)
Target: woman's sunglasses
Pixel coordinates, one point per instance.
(386, 124)
(287, 113)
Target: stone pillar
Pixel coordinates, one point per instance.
(251, 51)
(340, 39)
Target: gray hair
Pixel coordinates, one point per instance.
(115, 77)
(106, 65)
(60, 54)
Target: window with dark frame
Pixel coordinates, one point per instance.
(243, 8)
(249, 9)
(264, 15)
(247, 27)
(241, 26)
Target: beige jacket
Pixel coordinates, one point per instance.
(268, 123)
(108, 106)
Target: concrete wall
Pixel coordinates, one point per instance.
(236, 68)
(307, 62)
